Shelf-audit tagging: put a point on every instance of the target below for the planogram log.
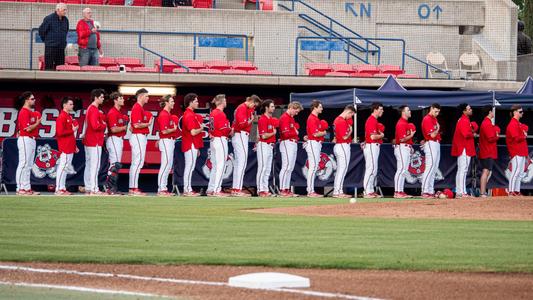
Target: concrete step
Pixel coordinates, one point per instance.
(230, 4)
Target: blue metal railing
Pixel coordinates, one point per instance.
(402, 41)
(162, 58)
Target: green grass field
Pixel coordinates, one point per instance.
(153, 230)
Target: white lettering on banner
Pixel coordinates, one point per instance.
(8, 122)
(48, 123)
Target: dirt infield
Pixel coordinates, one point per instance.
(497, 208)
(377, 284)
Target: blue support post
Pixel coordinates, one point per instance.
(31, 49)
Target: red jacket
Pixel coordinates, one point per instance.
(463, 137)
(84, 31)
(488, 139)
(516, 139)
(96, 125)
(66, 142)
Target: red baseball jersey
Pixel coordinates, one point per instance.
(26, 118)
(403, 129)
(429, 125)
(138, 115)
(94, 132)
(371, 127)
(516, 139)
(66, 142)
(164, 122)
(288, 128)
(314, 125)
(243, 117)
(115, 118)
(266, 124)
(189, 122)
(488, 140)
(219, 124)
(342, 128)
(463, 137)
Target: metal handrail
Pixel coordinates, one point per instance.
(161, 57)
(402, 41)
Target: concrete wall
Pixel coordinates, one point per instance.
(525, 67)
(271, 46)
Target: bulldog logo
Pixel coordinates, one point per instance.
(417, 165)
(326, 166)
(45, 162)
(208, 166)
(527, 176)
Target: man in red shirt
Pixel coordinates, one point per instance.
(242, 123)
(89, 46)
(140, 127)
(516, 138)
(191, 141)
(117, 126)
(266, 129)
(488, 148)
(66, 144)
(463, 148)
(431, 133)
(343, 126)
(219, 131)
(288, 147)
(28, 122)
(93, 141)
(314, 138)
(402, 150)
(374, 133)
(167, 128)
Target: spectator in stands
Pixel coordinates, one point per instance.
(524, 41)
(88, 40)
(53, 31)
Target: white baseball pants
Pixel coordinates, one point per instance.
(240, 151)
(138, 154)
(371, 154)
(463, 162)
(166, 146)
(313, 157)
(93, 156)
(264, 165)
(288, 150)
(61, 175)
(190, 163)
(342, 153)
(432, 154)
(26, 147)
(219, 154)
(403, 159)
(114, 145)
(517, 164)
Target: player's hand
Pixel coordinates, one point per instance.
(157, 144)
(38, 121)
(77, 150)
(275, 131)
(334, 140)
(75, 128)
(94, 30)
(306, 138)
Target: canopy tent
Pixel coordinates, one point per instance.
(392, 93)
(524, 96)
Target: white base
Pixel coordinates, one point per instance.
(269, 280)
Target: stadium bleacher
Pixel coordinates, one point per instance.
(359, 70)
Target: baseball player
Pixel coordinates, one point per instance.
(220, 130)
(140, 127)
(316, 130)
(244, 115)
(343, 125)
(167, 128)
(432, 138)
(117, 123)
(66, 144)
(463, 148)
(93, 141)
(516, 138)
(488, 148)
(288, 147)
(191, 140)
(28, 130)
(374, 132)
(402, 150)
(266, 128)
